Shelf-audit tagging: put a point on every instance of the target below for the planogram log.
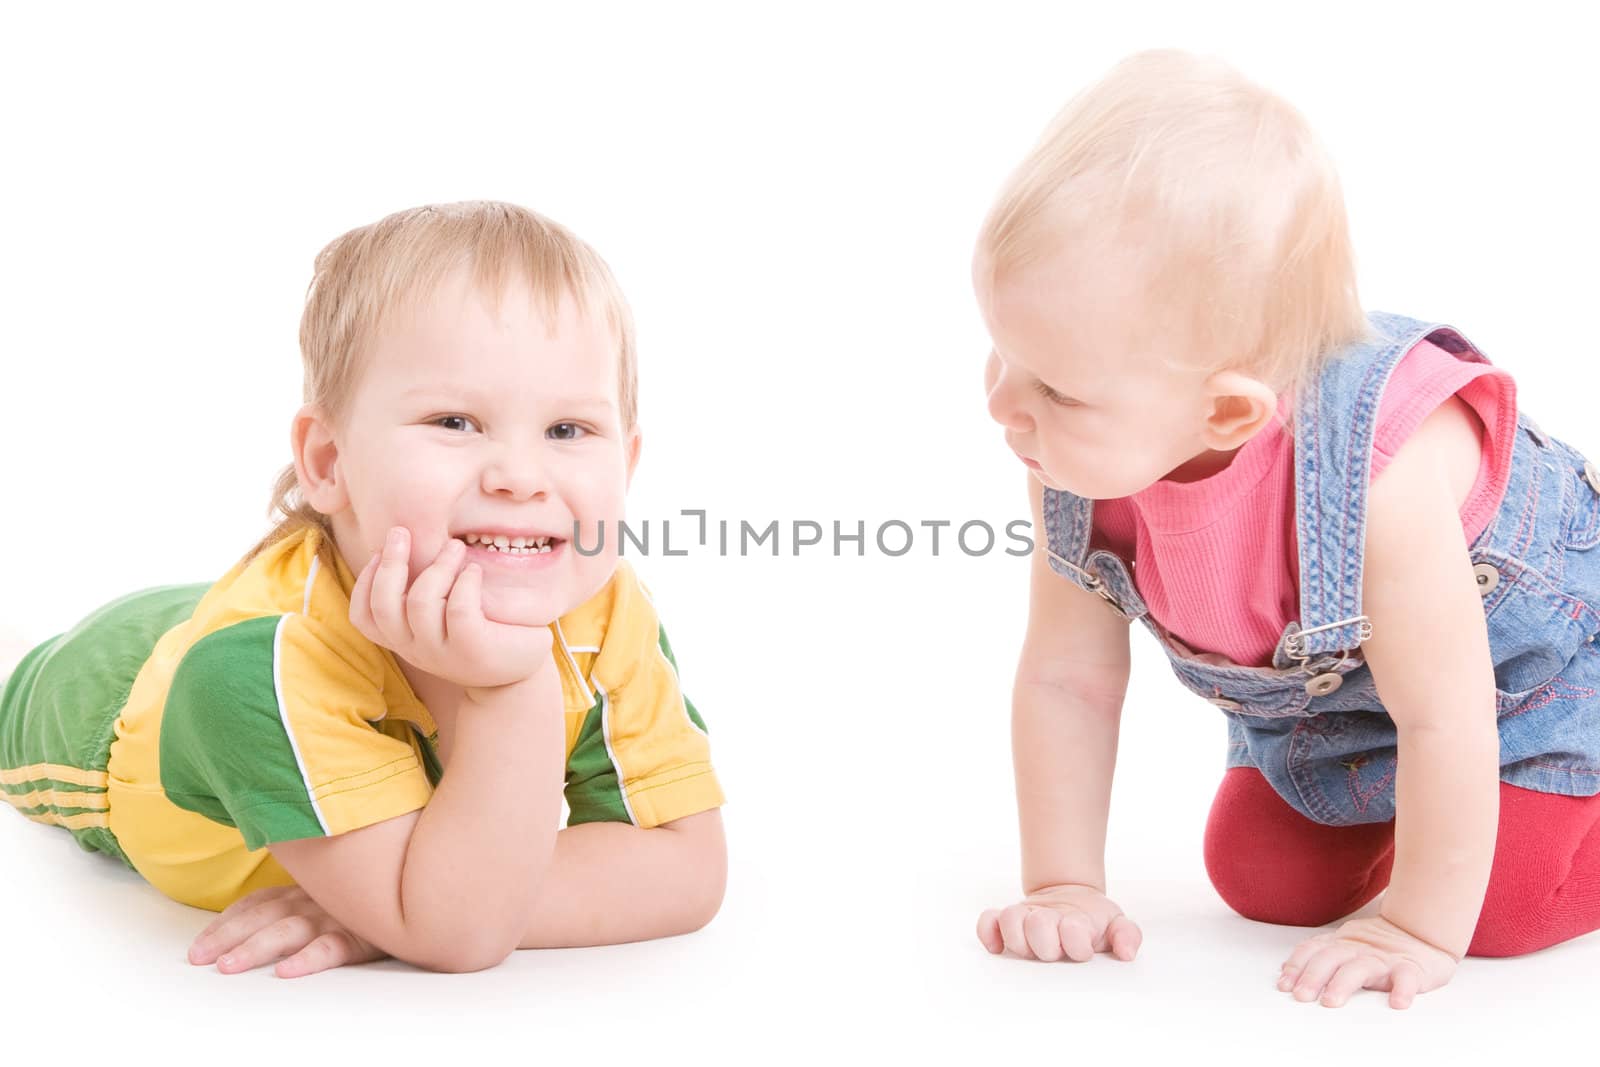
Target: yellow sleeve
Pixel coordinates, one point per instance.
(642, 754)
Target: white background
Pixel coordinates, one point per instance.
(789, 198)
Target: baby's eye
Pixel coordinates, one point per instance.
(449, 421)
(566, 431)
(1055, 397)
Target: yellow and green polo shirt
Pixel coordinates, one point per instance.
(185, 728)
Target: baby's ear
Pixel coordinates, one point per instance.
(1239, 406)
(316, 461)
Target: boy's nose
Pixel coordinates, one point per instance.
(520, 476)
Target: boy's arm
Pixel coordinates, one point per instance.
(611, 882)
(1429, 655)
(440, 888)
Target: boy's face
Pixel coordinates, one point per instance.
(1076, 377)
(470, 422)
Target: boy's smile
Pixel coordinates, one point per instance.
(500, 427)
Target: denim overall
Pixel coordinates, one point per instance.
(1312, 722)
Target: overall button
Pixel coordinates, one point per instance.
(1591, 476)
(1323, 684)
(1487, 577)
(1225, 704)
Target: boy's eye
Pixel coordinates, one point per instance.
(450, 422)
(1054, 397)
(566, 431)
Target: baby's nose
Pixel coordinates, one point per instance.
(1005, 409)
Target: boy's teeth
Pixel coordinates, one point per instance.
(520, 546)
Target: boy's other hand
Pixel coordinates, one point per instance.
(438, 625)
(1071, 921)
(280, 924)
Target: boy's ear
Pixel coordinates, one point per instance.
(316, 461)
(1239, 407)
(632, 447)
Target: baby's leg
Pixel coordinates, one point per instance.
(1544, 887)
(1274, 865)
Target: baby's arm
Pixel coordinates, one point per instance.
(611, 882)
(1065, 714)
(1429, 655)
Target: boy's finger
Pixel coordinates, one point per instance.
(425, 601)
(287, 935)
(389, 589)
(332, 949)
(227, 932)
(463, 611)
(361, 600)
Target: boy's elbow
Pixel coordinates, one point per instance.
(462, 958)
(706, 901)
(459, 951)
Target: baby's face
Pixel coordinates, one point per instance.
(1077, 379)
(467, 422)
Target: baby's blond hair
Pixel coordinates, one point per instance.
(1220, 190)
(364, 276)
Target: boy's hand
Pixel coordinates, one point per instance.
(270, 924)
(1074, 921)
(438, 625)
(1365, 954)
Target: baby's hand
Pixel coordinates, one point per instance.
(273, 923)
(1074, 921)
(1365, 954)
(438, 624)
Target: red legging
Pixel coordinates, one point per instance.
(1272, 864)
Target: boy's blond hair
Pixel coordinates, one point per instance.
(1220, 190)
(366, 275)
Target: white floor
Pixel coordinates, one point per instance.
(870, 820)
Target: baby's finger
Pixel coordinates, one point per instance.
(989, 931)
(288, 934)
(1405, 980)
(1039, 928)
(1011, 929)
(332, 949)
(1076, 931)
(1123, 937)
(425, 600)
(1358, 973)
(1297, 961)
(389, 590)
(1319, 969)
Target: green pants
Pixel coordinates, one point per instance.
(59, 707)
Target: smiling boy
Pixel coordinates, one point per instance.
(378, 757)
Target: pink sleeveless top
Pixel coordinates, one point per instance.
(1217, 560)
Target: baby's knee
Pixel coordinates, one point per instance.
(1258, 892)
(1519, 918)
